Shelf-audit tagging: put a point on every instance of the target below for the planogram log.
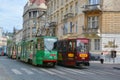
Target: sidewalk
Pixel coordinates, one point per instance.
(106, 62)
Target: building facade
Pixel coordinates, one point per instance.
(1, 31)
(18, 36)
(32, 11)
(97, 20)
(3, 39)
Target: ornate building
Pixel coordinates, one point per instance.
(31, 22)
(98, 20)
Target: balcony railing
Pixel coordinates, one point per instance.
(53, 24)
(93, 7)
(90, 30)
(68, 15)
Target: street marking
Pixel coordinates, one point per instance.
(105, 72)
(57, 71)
(50, 72)
(69, 71)
(74, 71)
(36, 70)
(81, 72)
(16, 71)
(27, 71)
(64, 77)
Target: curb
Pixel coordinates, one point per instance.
(104, 62)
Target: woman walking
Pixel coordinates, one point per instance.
(102, 57)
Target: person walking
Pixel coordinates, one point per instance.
(102, 57)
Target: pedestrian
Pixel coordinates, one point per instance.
(102, 58)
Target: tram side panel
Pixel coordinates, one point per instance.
(38, 51)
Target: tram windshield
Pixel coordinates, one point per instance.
(82, 46)
(50, 44)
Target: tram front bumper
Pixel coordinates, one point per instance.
(84, 63)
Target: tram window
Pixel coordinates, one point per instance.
(28, 46)
(49, 43)
(55, 46)
(64, 48)
(38, 44)
(42, 46)
(82, 47)
(59, 46)
(70, 46)
(74, 46)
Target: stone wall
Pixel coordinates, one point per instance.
(111, 22)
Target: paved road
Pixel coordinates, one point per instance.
(16, 70)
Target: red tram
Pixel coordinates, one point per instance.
(73, 52)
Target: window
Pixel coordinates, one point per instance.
(34, 23)
(61, 2)
(71, 45)
(54, 5)
(71, 27)
(93, 22)
(97, 44)
(34, 13)
(66, 10)
(90, 44)
(65, 29)
(76, 26)
(82, 46)
(71, 8)
(64, 44)
(33, 29)
(92, 2)
(29, 14)
(61, 15)
(49, 43)
(76, 8)
(40, 44)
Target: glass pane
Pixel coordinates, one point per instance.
(49, 43)
(81, 46)
(92, 2)
(71, 46)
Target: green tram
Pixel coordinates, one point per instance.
(11, 50)
(38, 51)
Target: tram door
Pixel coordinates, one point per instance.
(62, 50)
(71, 50)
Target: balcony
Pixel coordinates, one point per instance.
(68, 15)
(53, 24)
(90, 30)
(94, 7)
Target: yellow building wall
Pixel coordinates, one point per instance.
(111, 22)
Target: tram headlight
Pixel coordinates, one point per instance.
(83, 55)
(70, 55)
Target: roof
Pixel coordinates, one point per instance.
(38, 2)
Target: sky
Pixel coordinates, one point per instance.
(11, 12)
